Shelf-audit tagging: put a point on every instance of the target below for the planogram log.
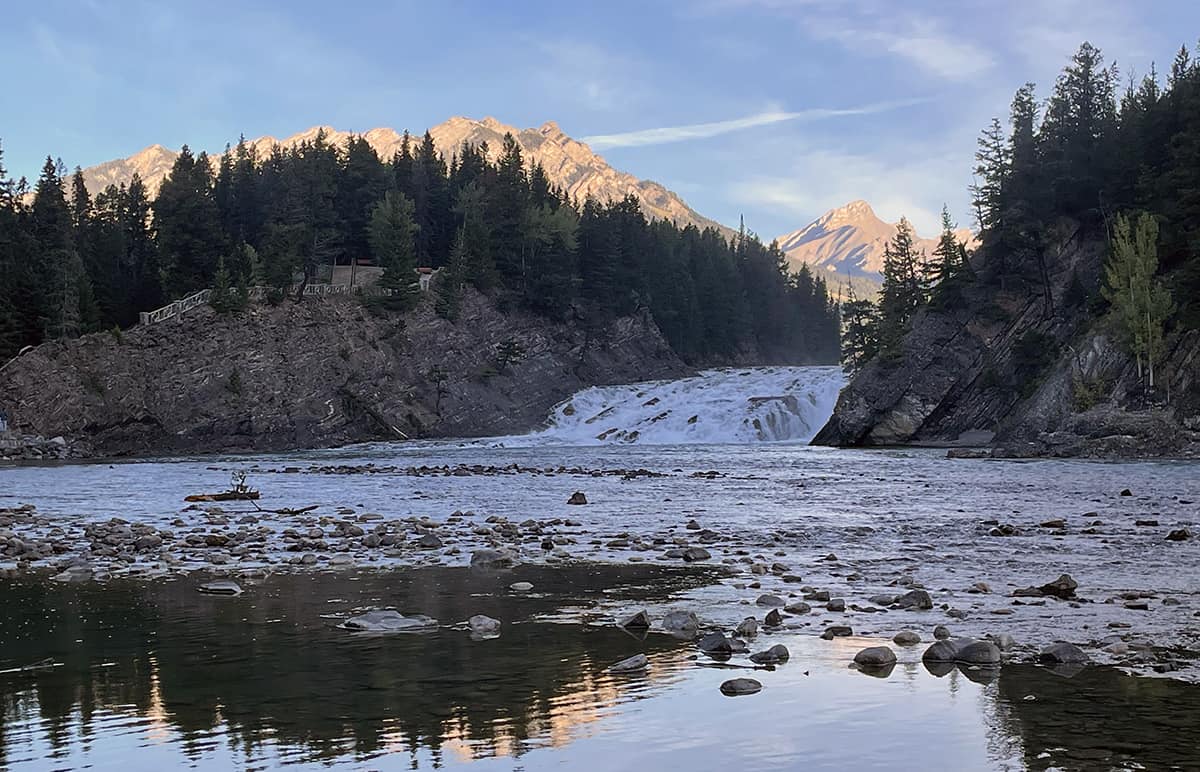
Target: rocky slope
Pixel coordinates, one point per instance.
(848, 241)
(319, 373)
(1006, 372)
(569, 164)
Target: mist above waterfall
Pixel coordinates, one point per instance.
(745, 405)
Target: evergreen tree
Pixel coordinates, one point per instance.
(391, 234)
(188, 223)
(950, 271)
(903, 290)
(451, 282)
(222, 298)
(860, 332)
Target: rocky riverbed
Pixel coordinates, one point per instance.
(808, 541)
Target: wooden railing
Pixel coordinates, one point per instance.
(180, 307)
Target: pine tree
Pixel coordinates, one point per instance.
(450, 284)
(391, 234)
(903, 290)
(860, 331)
(188, 222)
(222, 297)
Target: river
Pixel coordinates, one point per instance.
(267, 678)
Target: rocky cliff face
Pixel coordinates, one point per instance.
(569, 164)
(1026, 373)
(320, 373)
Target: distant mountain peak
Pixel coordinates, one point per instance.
(569, 164)
(849, 241)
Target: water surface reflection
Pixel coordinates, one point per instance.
(156, 676)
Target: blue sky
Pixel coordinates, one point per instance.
(775, 109)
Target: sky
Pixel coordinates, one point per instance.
(775, 110)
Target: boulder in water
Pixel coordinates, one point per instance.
(577, 499)
(692, 554)
(220, 587)
(773, 618)
(875, 656)
(1064, 654)
(635, 664)
(484, 625)
(639, 621)
(521, 586)
(737, 687)
(837, 631)
(906, 638)
(1063, 587)
(747, 628)
(771, 601)
(389, 621)
(772, 656)
(915, 599)
(681, 622)
(715, 643)
(488, 558)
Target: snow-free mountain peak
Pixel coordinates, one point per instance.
(569, 164)
(849, 241)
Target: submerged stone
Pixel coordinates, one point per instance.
(220, 587)
(634, 664)
(388, 621)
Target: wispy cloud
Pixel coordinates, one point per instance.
(666, 134)
(870, 27)
(913, 185)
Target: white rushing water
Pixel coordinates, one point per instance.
(737, 405)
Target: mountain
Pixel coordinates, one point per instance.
(569, 164)
(849, 242)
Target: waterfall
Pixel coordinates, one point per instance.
(737, 405)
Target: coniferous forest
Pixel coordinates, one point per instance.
(71, 264)
(1106, 158)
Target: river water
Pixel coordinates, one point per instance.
(153, 675)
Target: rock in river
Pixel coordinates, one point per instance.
(681, 622)
(429, 541)
(577, 499)
(692, 554)
(906, 638)
(918, 599)
(836, 631)
(964, 650)
(772, 656)
(979, 653)
(493, 559)
(798, 608)
(941, 632)
(747, 628)
(771, 601)
(1063, 587)
(389, 622)
(221, 587)
(715, 643)
(635, 664)
(736, 687)
(484, 625)
(639, 621)
(521, 586)
(875, 656)
(1064, 654)
(1179, 534)
(773, 618)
